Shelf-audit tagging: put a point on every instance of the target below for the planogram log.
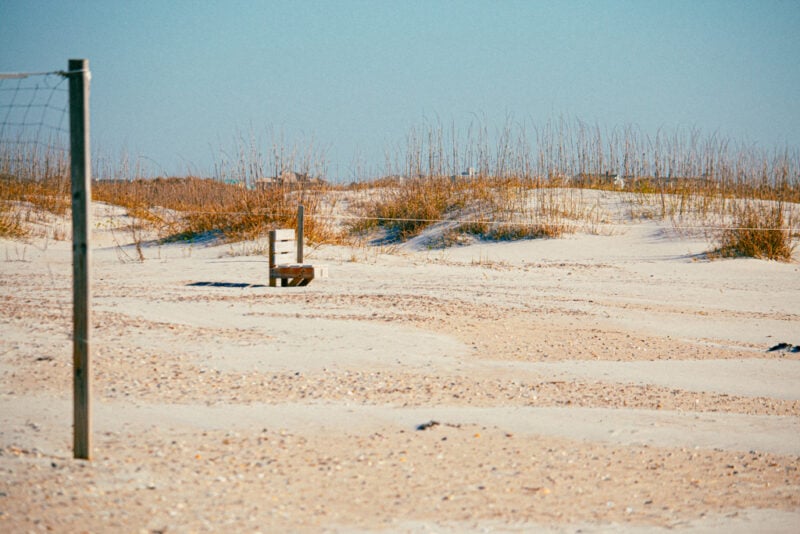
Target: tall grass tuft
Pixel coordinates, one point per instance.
(247, 197)
(406, 207)
(198, 208)
(33, 179)
(759, 230)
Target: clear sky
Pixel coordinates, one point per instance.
(175, 82)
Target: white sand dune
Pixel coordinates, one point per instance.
(587, 370)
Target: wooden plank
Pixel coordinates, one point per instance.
(284, 246)
(281, 259)
(292, 275)
(292, 271)
(311, 271)
(284, 257)
(281, 246)
(284, 234)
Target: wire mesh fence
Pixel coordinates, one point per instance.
(34, 124)
(44, 145)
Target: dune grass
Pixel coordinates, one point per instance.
(522, 190)
(33, 181)
(524, 182)
(486, 207)
(194, 208)
(758, 230)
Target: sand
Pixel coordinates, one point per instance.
(592, 383)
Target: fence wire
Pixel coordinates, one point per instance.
(34, 120)
(495, 222)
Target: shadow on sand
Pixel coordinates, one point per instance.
(224, 284)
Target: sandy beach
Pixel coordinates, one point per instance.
(594, 383)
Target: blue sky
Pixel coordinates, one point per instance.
(176, 82)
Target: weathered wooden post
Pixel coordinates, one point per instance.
(300, 215)
(273, 237)
(81, 175)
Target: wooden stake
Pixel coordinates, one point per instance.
(81, 174)
(300, 211)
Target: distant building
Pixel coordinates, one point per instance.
(471, 172)
(595, 179)
(703, 181)
(288, 179)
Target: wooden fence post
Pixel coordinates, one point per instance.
(81, 175)
(300, 214)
